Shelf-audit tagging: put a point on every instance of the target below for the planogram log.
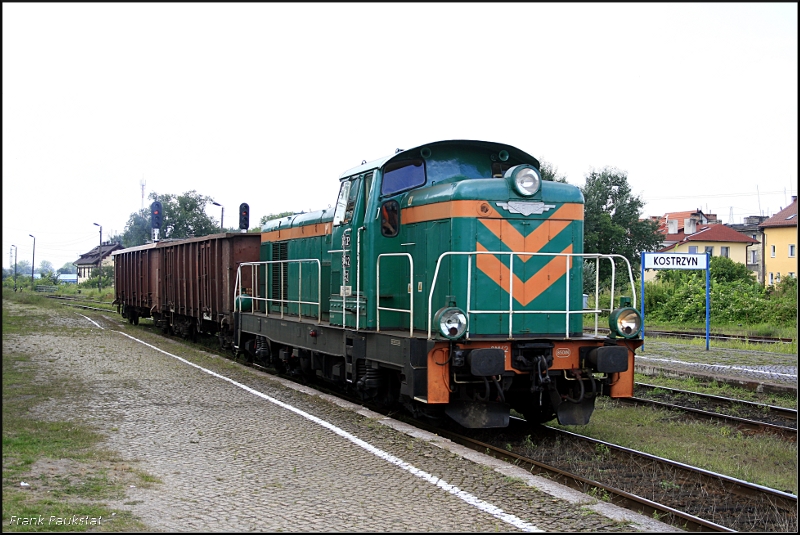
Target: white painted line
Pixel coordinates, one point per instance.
(90, 319)
(433, 480)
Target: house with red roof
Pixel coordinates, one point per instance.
(696, 232)
(672, 224)
(780, 244)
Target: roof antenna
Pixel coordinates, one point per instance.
(758, 194)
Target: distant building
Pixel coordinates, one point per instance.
(680, 228)
(696, 232)
(779, 247)
(755, 257)
(672, 224)
(68, 278)
(100, 255)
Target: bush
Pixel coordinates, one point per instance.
(680, 297)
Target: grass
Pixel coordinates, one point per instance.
(69, 474)
(761, 459)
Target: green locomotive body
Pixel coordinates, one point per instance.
(449, 278)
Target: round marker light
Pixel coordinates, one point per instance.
(451, 322)
(524, 179)
(625, 322)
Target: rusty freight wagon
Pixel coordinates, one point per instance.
(186, 286)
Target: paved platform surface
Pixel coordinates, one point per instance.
(758, 370)
(237, 450)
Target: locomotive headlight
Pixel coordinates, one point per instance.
(451, 322)
(625, 322)
(525, 179)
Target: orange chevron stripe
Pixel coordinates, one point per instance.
(524, 292)
(532, 243)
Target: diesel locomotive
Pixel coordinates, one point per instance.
(447, 278)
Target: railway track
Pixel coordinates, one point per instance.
(687, 497)
(744, 415)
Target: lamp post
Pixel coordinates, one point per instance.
(99, 258)
(221, 215)
(15, 267)
(33, 259)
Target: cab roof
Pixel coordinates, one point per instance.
(380, 162)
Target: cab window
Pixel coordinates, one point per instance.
(390, 218)
(348, 195)
(399, 176)
(341, 203)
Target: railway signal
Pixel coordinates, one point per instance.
(155, 215)
(244, 216)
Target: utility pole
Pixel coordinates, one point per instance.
(33, 260)
(100, 259)
(15, 265)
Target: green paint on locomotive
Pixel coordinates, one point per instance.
(464, 205)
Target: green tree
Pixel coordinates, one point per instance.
(270, 217)
(69, 267)
(721, 269)
(45, 265)
(23, 268)
(611, 221)
(137, 229)
(550, 173)
(724, 269)
(116, 238)
(183, 216)
(106, 275)
(48, 273)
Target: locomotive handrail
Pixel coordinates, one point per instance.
(567, 312)
(299, 302)
(410, 311)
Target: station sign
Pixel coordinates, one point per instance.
(679, 261)
(675, 261)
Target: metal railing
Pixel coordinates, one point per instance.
(510, 311)
(46, 288)
(471, 312)
(254, 266)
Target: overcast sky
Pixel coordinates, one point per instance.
(269, 103)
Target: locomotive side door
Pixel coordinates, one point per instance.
(348, 299)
